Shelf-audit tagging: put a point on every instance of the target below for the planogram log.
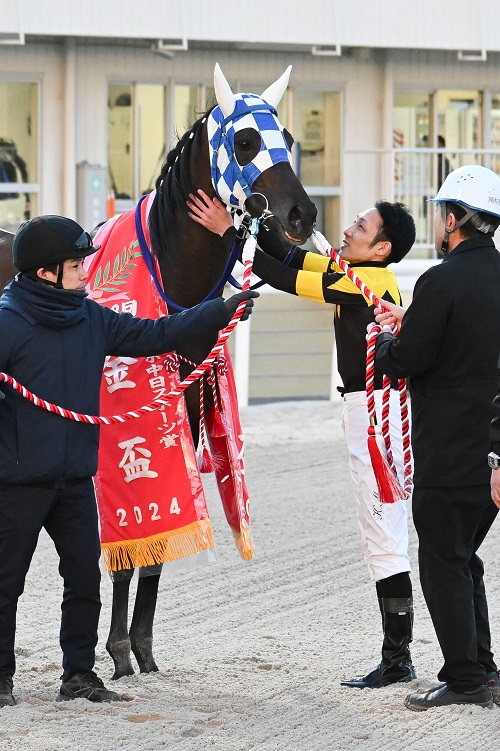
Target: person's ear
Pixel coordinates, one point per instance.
(384, 248)
(45, 274)
(451, 221)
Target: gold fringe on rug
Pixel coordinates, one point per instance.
(168, 546)
(243, 541)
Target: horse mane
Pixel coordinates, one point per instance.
(173, 185)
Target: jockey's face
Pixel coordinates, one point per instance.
(74, 276)
(359, 237)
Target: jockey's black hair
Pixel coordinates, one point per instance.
(398, 228)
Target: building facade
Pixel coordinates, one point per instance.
(382, 102)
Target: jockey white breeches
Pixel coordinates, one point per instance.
(383, 526)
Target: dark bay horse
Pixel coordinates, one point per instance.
(193, 262)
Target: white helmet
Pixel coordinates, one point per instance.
(473, 187)
(477, 189)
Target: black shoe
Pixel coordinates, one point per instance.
(383, 676)
(6, 686)
(492, 681)
(443, 696)
(88, 686)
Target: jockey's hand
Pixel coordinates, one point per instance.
(389, 314)
(232, 303)
(495, 486)
(209, 212)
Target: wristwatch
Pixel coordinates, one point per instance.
(494, 460)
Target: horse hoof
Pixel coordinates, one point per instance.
(149, 667)
(143, 653)
(120, 654)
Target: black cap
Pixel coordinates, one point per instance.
(49, 239)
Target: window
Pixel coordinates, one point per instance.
(136, 138)
(316, 127)
(18, 153)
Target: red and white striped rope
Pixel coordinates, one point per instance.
(325, 248)
(407, 480)
(156, 403)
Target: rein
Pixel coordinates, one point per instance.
(374, 430)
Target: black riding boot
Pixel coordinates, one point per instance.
(396, 665)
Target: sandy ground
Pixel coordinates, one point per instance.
(251, 654)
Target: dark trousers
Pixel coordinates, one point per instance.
(451, 524)
(69, 514)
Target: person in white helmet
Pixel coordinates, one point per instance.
(448, 347)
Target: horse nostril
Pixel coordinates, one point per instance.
(295, 216)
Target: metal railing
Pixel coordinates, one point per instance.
(414, 176)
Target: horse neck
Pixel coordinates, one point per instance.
(192, 263)
(192, 259)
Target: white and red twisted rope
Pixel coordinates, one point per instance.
(325, 248)
(156, 403)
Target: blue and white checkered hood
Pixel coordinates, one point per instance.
(232, 183)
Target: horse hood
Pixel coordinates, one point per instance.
(231, 181)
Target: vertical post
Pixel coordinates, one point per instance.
(241, 363)
(387, 170)
(69, 179)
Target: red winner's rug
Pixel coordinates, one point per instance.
(151, 500)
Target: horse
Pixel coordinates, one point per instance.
(240, 152)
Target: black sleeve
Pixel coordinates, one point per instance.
(274, 273)
(130, 336)
(417, 346)
(495, 423)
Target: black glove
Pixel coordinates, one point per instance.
(232, 303)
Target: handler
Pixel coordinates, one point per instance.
(379, 236)
(448, 346)
(54, 341)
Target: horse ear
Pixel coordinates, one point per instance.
(223, 94)
(272, 95)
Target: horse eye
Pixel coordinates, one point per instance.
(247, 144)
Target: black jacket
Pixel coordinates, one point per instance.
(54, 342)
(448, 346)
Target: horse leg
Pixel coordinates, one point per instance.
(118, 643)
(141, 628)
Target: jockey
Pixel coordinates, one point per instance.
(380, 235)
(55, 341)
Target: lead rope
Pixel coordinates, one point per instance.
(217, 351)
(390, 487)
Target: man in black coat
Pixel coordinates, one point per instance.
(54, 342)
(448, 347)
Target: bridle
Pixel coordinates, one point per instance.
(227, 175)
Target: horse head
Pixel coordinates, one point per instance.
(251, 165)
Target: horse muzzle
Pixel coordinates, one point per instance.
(292, 214)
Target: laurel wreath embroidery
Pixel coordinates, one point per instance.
(122, 269)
